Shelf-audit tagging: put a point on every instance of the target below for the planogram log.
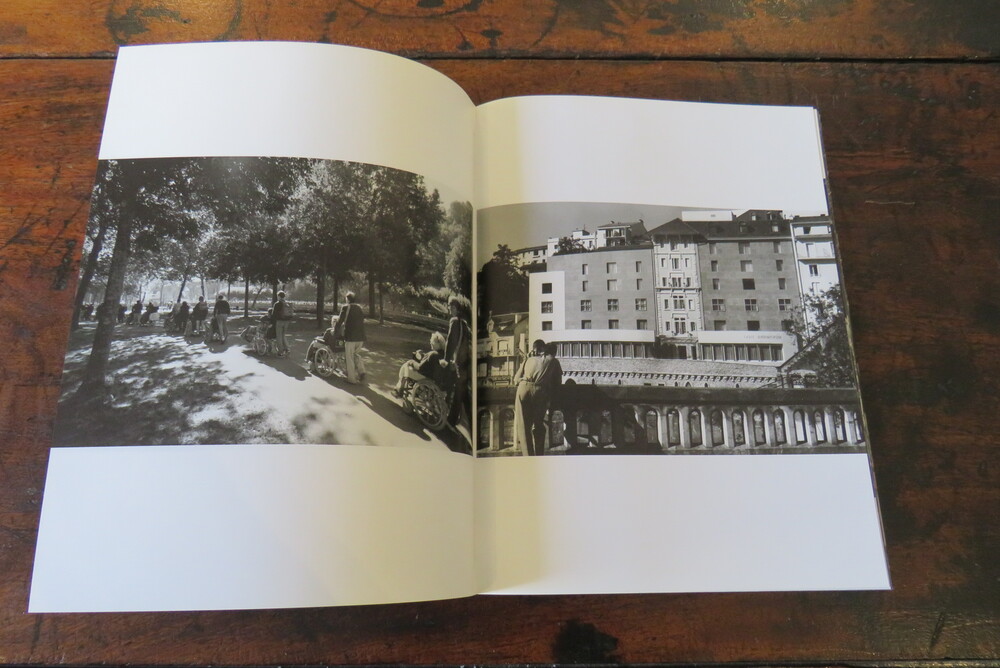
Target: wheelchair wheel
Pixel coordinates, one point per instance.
(323, 363)
(430, 404)
(260, 345)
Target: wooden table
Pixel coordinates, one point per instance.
(908, 92)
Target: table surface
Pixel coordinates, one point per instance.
(908, 96)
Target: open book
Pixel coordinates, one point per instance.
(300, 374)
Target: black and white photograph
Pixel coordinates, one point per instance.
(270, 300)
(639, 329)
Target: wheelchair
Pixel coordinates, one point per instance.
(326, 361)
(429, 400)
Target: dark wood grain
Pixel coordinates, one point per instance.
(914, 161)
(857, 29)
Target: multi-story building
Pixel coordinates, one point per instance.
(815, 259)
(530, 255)
(502, 348)
(750, 287)
(598, 302)
(677, 288)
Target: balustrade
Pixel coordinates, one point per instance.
(589, 418)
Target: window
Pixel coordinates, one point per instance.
(641, 324)
(719, 326)
(779, 265)
(716, 283)
(638, 284)
(718, 304)
(583, 286)
(612, 284)
(546, 325)
(806, 229)
(612, 304)
(781, 283)
(638, 265)
(583, 269)
(584, 324)
(612, 267)
(612, 324)
(814, 270)
(715, 265)
(675, 263)
(753, 326)
(746, 265)
(585, 305)
(678, 302)
(750, 304)
(680, 325)
(713, 248)
(749, 284)
(744, 247)
(777, 244)
(784, 304)
(640, 304)
(546, 288)
(663, 262)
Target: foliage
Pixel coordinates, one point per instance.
(569, 245)
(820, 325)
(502, 285)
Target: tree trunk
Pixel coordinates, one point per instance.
(184, 280)
(203, 286)
(256, 296)
(321, 295)
(94, 381)
(246, 297)
(371, 295)
(89, 269)
(274, 292)
(336, 294)
(381, 310)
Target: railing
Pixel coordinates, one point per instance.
(624, 419)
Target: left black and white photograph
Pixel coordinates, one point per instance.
(270, 300)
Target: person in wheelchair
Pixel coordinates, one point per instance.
(425, 365)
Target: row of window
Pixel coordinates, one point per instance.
(589, 324)
(745, 248)
(609, 350)
(742, 352)
(748, 305)
(752, 325)
(609, 267)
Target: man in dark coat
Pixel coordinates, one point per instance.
(352, 328)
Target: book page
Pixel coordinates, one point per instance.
(667, 397)
(263, 403)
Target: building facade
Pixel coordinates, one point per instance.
(677, 287)
(750, 292)
(599, 302)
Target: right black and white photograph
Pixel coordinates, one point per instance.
(644, 329)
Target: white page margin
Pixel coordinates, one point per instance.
(251, 526)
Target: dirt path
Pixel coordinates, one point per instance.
(168, 390)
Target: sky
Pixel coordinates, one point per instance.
(520, 225)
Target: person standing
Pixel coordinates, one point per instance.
(198, 315)
(221, 313)
(458, 351)
(536, 382)
(352, 328)
(182, 319)
(282, 316)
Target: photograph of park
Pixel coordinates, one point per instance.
(270, 300)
